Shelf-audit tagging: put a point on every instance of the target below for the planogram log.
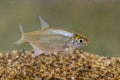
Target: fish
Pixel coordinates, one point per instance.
(49, 40)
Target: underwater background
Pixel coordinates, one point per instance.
(99, 20)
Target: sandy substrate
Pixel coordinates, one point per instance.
(18, 65)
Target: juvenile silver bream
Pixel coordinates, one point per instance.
(51, 40)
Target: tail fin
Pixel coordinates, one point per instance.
(21, 40)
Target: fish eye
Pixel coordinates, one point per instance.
(80, 40)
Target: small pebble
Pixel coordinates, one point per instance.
(80, 65)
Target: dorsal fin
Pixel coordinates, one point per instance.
(43, 23)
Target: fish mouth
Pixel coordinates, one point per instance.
(86, 43)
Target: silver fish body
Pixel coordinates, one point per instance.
(49, 40)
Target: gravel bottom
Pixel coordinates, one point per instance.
(18, 65)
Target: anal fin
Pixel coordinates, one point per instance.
(37, 51)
